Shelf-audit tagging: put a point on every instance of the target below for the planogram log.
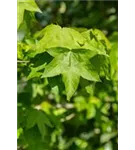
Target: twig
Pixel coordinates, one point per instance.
(69, 117)
(22, 61)
(66, 105)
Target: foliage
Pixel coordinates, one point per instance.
(67, 82)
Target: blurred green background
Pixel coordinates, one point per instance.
(89, 14)
(89, 120)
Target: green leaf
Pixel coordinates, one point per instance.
(71, 81)
(90, 88)
(37, 90)
(114, 61)
(57, 87)
(46, 107)
(44, 118)
(114, 56)
(21, 48)
(19, 132)
(81, 144)
(80, 29)
(41, 121)
(35, 71)
(96, 41)
(80, 103)
(55, 91)
(32, 118)
(38, 64)
(34, 141)
(102, 65)
(71, 65)
(73, 53)
(20, 117)
(39, 118)
(102, 38)
(53, 36)
(23, 5)
(91, 111)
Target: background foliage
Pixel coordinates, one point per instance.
(46, 120)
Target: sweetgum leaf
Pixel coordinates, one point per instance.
(71, 81)
(54, 36)
(34, 141)
(73, 54)
(39, 118)
(97, 41)
(32, 118)
(23, 5)
(71, 65)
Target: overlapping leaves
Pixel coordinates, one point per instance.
(54, 36)
(71, 52)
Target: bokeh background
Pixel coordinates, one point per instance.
(90, 14)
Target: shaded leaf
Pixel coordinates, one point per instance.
(34, 141)
(38, 118)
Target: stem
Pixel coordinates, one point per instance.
(22, 61)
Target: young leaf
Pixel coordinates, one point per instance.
(71, 81)
(35, 71)
(54, 36)
(23, 5)
(101, 37)
(80, 29)
(71, 65)
(97, 41)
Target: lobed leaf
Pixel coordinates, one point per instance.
(23, 5)
(71, 66)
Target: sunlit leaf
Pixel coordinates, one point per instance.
(23, 5)
(71, 65)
